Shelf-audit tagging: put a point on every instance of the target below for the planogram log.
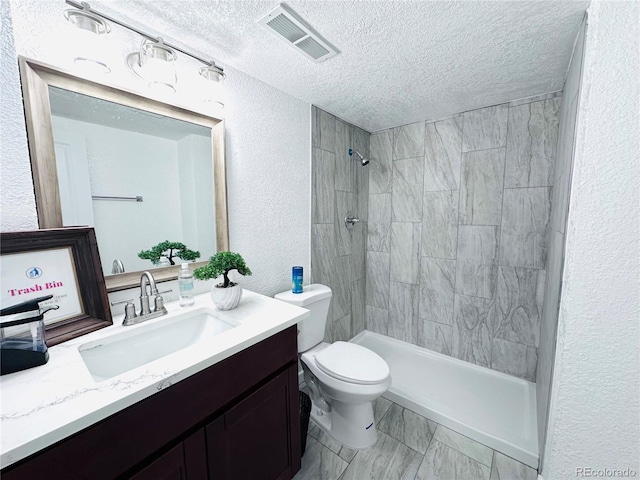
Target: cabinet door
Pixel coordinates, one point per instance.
(186, 461)
(170, 466)
(138, 432)
(258, 439)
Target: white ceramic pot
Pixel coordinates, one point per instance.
(226, 298)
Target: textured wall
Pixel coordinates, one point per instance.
(268, 180)
(267, 140)
(457, 232)
(594, 416)
(339, 186)
(557, 230)
(17, 203)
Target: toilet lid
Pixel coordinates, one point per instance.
(352, 363)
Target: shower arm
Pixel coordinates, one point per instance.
(363, 161)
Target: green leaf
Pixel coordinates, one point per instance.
(169, 250)
(221, 264)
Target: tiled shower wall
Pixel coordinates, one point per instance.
(339, 186)
(457, 232)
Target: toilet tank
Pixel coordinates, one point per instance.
(315, 298)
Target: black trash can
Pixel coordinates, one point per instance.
(305, 412)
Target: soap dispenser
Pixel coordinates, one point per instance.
(22, 335)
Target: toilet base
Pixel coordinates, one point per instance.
(351, 425)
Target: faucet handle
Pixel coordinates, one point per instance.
(128, 300)
(159, 304)
(129, 310)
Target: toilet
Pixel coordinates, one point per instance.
(343, 378)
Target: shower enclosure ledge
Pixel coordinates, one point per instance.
(493, 408)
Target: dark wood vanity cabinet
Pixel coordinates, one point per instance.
(243, 443)
(186, 460)
(238, 419)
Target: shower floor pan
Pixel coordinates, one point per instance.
(493, 408)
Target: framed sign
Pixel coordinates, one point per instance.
(65, 263)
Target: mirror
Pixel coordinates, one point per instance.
(139, 171)
(138, 178)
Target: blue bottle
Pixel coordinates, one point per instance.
(296, 280)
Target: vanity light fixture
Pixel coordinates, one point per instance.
(155, 62)
(212, 73)
(91, 37)
(214, 77)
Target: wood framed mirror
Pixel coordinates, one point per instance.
(42, 84)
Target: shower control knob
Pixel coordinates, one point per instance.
(350, 221)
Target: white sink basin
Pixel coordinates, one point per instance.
(121, 352)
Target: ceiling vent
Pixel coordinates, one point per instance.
(285, 23)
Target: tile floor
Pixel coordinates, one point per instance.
(409, 447)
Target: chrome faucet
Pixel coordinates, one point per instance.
(146, 279)
(117, 267)
(146, 282)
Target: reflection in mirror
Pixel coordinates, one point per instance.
(137, 177)
(89, 142)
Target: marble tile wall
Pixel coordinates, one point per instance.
(458, 232)
(339, 256)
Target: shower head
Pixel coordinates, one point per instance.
(363, 160)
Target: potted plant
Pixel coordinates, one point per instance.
(225, 295)
(164, 252)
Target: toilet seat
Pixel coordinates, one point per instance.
(352, 363)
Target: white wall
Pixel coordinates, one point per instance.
(124, 163)
(594, 417)
(557, 230)
(269, 181)
(195, 172)
(17, 202)
(267, 135)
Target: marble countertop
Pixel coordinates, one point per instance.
(45, 404)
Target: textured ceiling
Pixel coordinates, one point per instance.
(400, 61)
